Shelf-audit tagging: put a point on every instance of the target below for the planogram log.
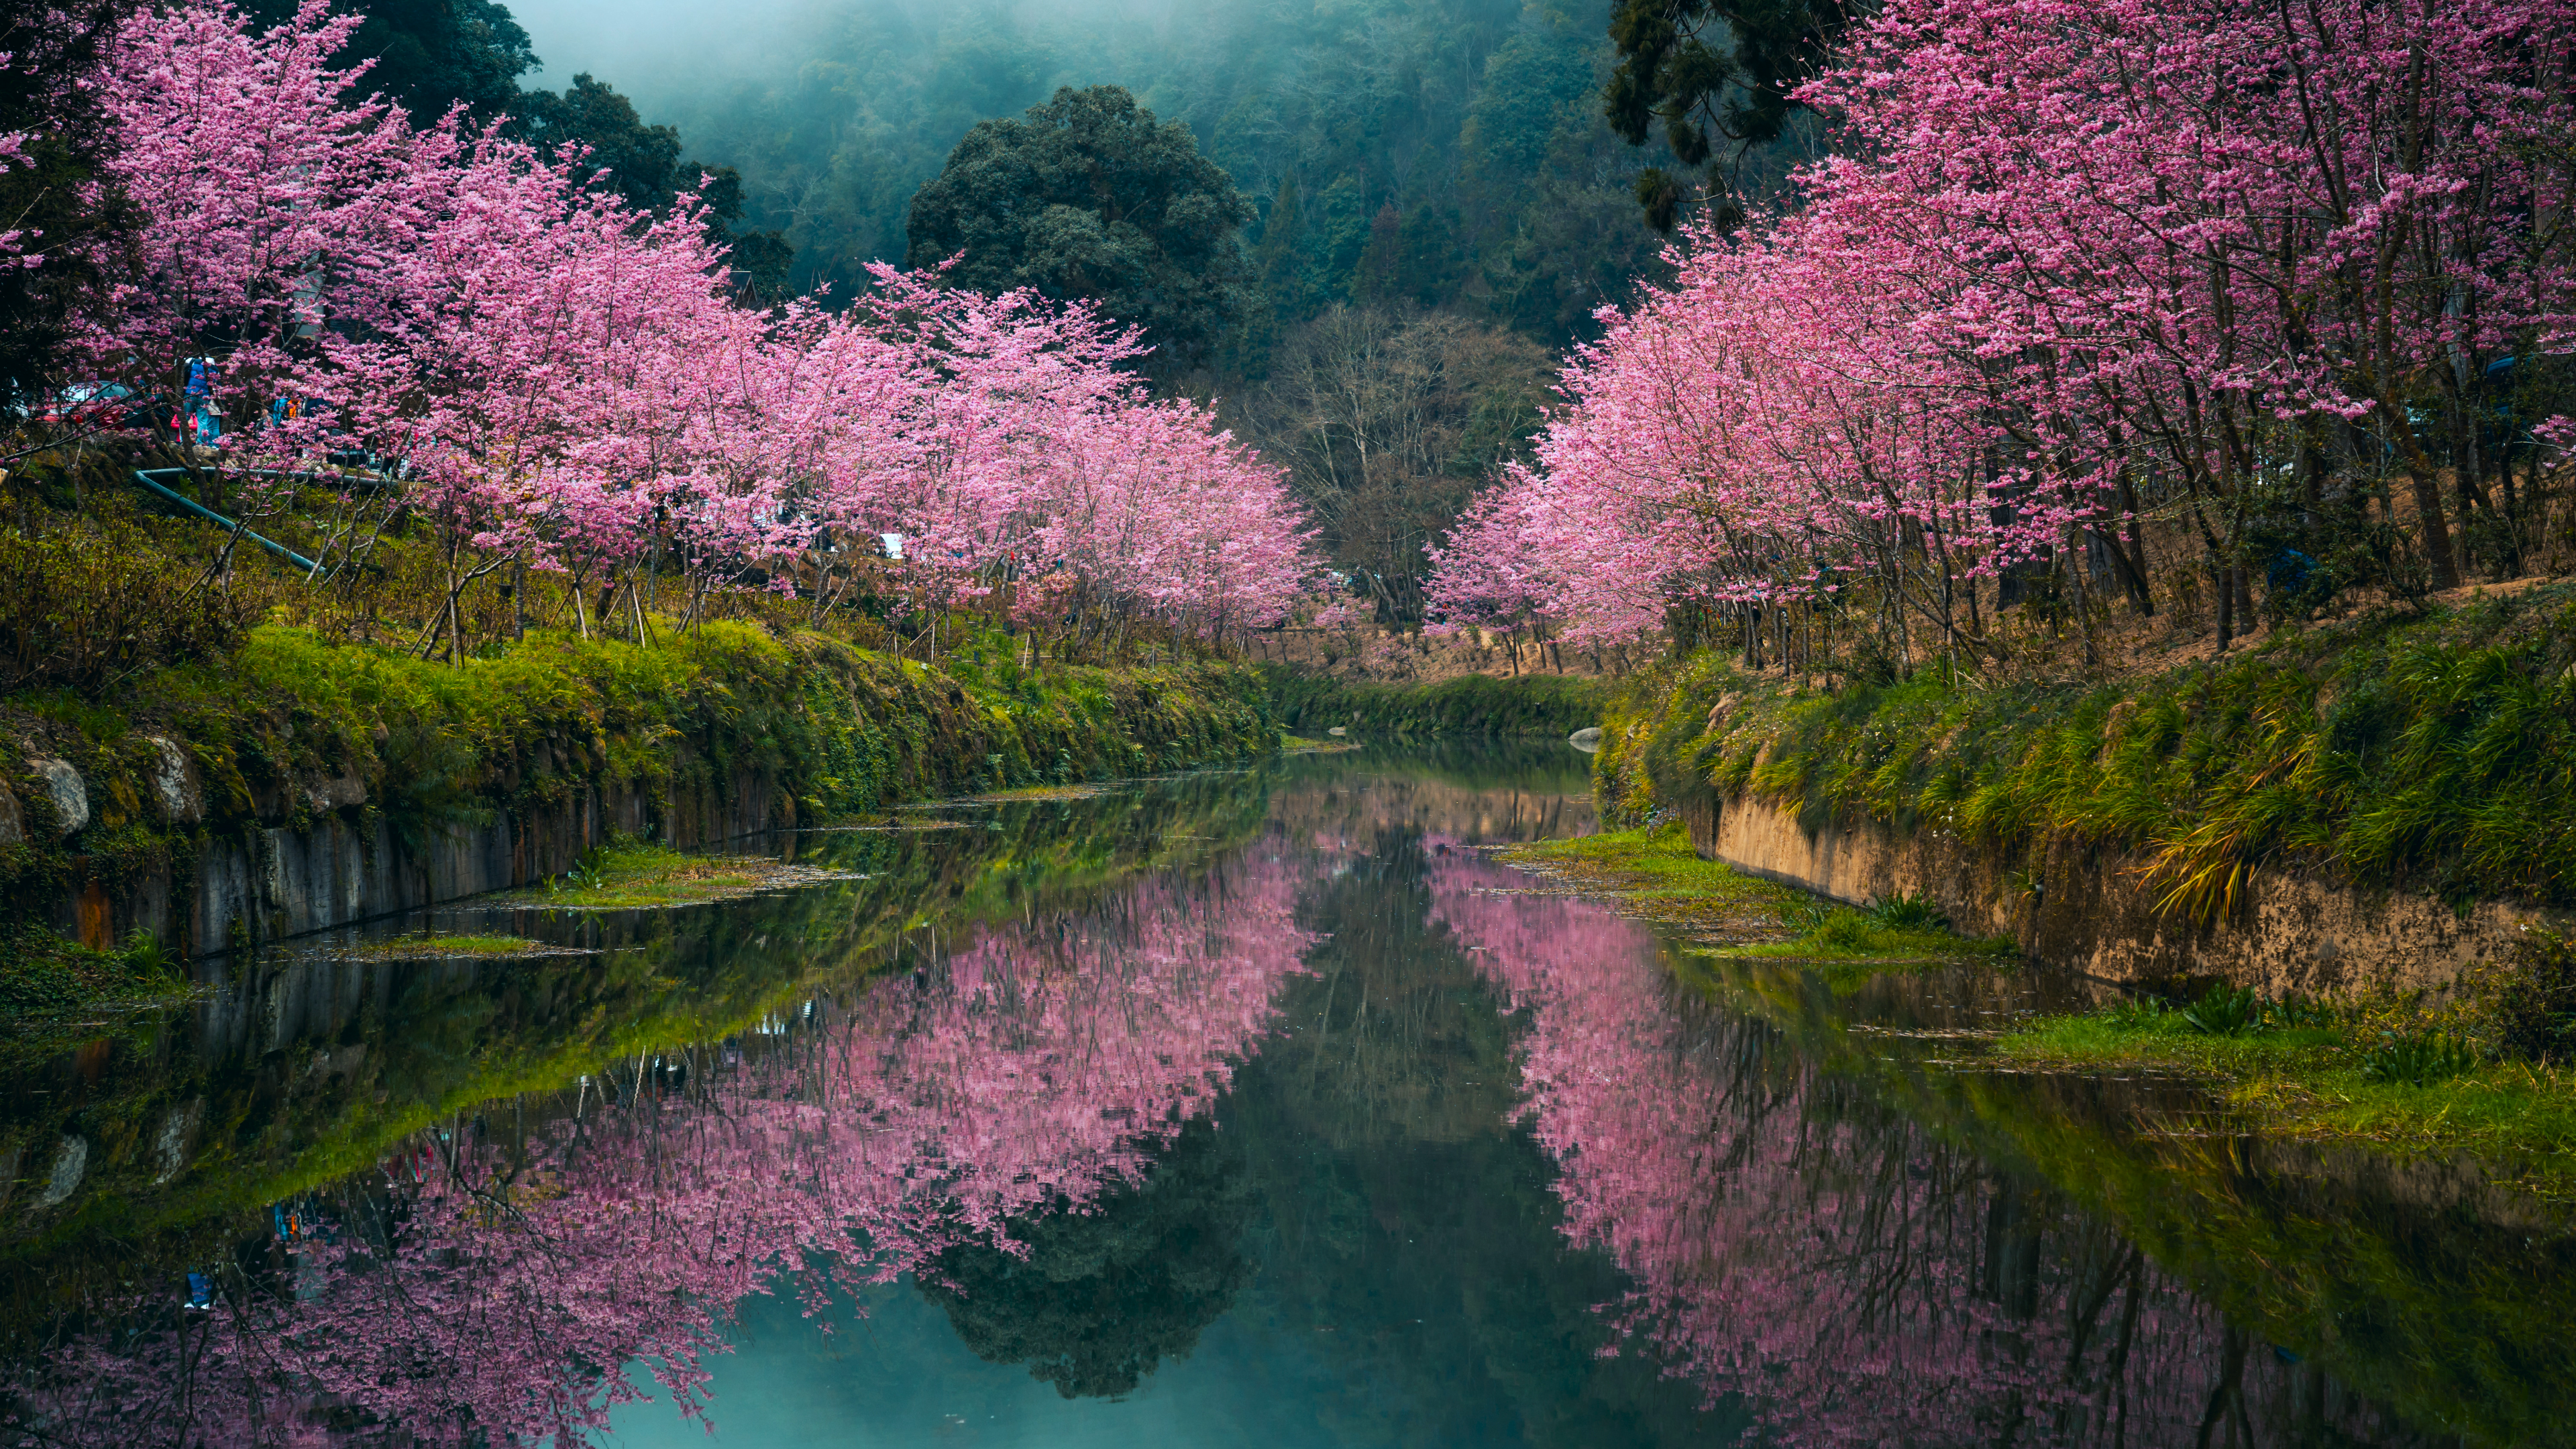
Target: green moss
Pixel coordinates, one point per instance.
(2315, 1082)
(834, 731)
(450, 946)
(2437, 753)
(1657, 874)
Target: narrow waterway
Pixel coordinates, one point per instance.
(1247, 1108)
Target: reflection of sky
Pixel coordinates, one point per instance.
(901, 1377)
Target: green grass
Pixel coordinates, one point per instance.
(2316, 1081)
(451, 946)
(631, 875)
(2434, 753)
(1658, 875)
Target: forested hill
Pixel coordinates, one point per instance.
(1448, 153)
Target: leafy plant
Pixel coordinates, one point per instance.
(2536, 1009)
(2226, 1011)
(2417, 1059)
(1905, 912)
(2138, 1011)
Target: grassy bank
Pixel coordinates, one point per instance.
(1474, 704)
(1654, 873)
(2433, 752)
(289, 728)
(2487, 1071)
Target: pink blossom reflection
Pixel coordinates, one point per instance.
(1851, 1277)
(490, 1281)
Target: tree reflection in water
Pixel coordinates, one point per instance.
(1092, 1296)
(492, 1280)
(1852, 1277)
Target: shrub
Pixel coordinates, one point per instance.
(1904, 912)
(2536, 1007)
(2226, 1011)
(2417, 1059)
(81, 610)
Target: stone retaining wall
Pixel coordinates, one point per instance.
(2093, 910)
(349, 865)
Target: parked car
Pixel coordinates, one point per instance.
(94, 405)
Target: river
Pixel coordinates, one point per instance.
(1255, 1108)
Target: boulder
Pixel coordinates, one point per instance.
(174, 782)
(70, 795)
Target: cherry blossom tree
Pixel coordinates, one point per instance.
(2228, 262)
(559, 381)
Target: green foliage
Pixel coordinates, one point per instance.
(1905, 912)
(1474, 120)
(45, 974)
(2437, 753)
(430, 55)
(2535, 1009)
(2226, 1011)
(1090, 198)
(81, 610)
(2418, 1059)
(1714, 79)
(1528, 704)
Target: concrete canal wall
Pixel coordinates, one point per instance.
(2094, 910)
(257, 883)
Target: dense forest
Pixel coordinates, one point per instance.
(1444, 153)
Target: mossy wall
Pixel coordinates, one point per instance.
(299, 784)
(2383, 770)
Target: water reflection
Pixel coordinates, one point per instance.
(1850, 1275)
(491, 1278)
(1255, 1109)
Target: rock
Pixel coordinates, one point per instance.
(13, 826)
(174, 782)
(1337, 731)
(71, 797)
(69, 1166)
(327, 795)
(1587, 739)
(172, 1149)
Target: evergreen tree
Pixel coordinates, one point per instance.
(1090, 197)
(1715, 77)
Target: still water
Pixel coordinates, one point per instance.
(1240, 1108)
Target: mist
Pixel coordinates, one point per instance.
(631, 40)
